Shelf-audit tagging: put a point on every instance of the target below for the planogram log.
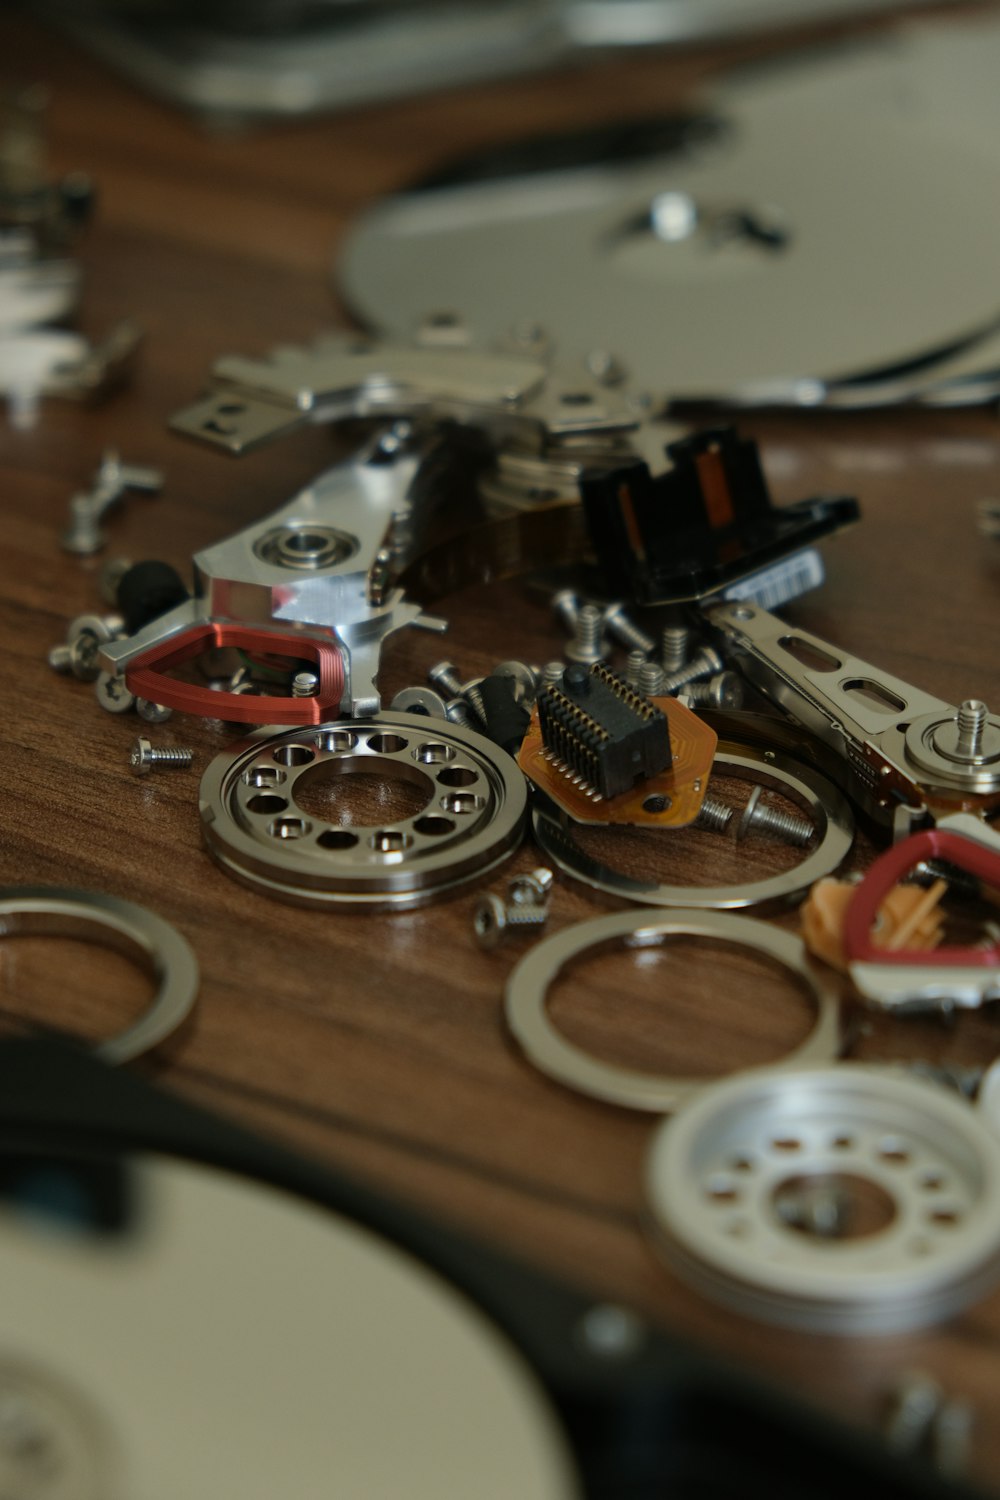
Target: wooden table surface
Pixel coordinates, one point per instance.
(376, 1042)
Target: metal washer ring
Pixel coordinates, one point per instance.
(714, 1173)
(829, 810)
(255, 829)
(529, 1021)
(150, 942)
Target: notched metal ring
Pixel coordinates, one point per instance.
(152, 944)
(561, 1059)
(829, 810)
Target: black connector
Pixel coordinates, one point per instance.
(704, 523)
(600, 730)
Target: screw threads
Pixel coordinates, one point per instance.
(587, 645)
(724, 690)
(143, 757)
(626, 632)
(634, 663)
(61, 658)
(651, 679)
(567, 607)
(714, 814)
(444, 677)
(972, 715)
(675, 643)
(704, 663)
(474, 698)
(786, 826)
(552, 674)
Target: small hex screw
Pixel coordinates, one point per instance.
(143, 758)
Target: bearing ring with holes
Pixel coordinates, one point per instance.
(150, 942)
(473, 819)
(529, 982)
(828, 809)
(714, 1175)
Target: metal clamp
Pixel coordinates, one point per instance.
(529, 1021)
(150, 942)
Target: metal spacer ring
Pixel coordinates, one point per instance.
(152, 944)
(550, 1051)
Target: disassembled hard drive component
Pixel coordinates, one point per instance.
(254, 828)
(829, 810)
(904, 754)
(708, 519)
(908, 916)
(528, 1019)
(902, 976)
(606, 737)
(150, 942)
(669, 799)
(88, 507)
(144, 757)
(919, 1166)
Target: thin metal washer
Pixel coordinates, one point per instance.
(829, 810)
(561, 1059)
(150, 942)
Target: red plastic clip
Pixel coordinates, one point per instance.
(888, 870)
(147, 676)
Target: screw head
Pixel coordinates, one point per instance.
(140, 756)
(746, 817)
(490, 921)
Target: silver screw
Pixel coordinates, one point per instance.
(634, 663)
(972, 716)
(552, 674)
(610, 1331)
(143, 758)
(474, 698)
(531, 890)
(724, 690)
(153, 713)
(304, 684)
(444, 676)
(625, 631)
(606, 368)
(567, 607)
(493, 918)
(458, 712)
(587, 645)
(915, 1404)
(60, 658)
(714, 814)
(756, 814)
(651, 679)
(704, 663)
(675, 644)
(113, 693)
(818, 1208)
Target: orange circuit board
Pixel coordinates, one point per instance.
(671, 799)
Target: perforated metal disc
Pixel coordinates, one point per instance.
(716, 1172)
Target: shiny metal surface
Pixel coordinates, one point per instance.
(528, 1019)
(713, 1174)
(472, 818)
(152, 944)
(829, 811)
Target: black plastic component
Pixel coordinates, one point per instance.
(147, 591)
(611, 737)
(704, 523)
(506, 719)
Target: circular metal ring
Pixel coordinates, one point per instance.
(829, 810)
(150, 942)
(529, 982)
(715, 1175)
(473, 819)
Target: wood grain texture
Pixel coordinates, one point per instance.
(376, 1042)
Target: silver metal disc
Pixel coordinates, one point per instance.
(824, 236)
(716, 1172)
(473, 817)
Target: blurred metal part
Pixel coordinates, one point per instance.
(922, 1157)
